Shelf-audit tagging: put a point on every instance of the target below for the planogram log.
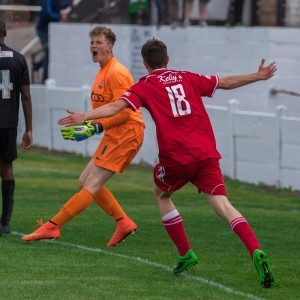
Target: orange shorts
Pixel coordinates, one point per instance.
(118, 146)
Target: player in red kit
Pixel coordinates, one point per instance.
(187, 146)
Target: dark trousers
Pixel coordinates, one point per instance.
(170, 9)
(44, 62)
(235, 12)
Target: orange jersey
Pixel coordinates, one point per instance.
(123, 133)
(110, 83)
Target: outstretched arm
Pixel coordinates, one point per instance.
(235, 81)
(104, 111)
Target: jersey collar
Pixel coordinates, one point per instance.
(159, 70)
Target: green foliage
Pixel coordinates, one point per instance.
(80, 266)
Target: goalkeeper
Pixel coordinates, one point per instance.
(122, 138)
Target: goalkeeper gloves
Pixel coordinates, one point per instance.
(81, 132)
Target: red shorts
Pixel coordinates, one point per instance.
(206, 175)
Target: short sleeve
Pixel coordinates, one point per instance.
(132, 98)
(207, 84)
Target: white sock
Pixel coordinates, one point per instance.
(170, 215)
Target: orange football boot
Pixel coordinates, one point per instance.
(46, 231)
(125, 227)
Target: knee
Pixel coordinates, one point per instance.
(160, 195)
(221, 206)
(80, 183)
(6, 171)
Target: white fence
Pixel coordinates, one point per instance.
(256, 147)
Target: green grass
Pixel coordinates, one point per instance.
(80, 266)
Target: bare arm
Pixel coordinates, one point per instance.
(120, 118)
(27, 109)
(263, 73)
(104, 111)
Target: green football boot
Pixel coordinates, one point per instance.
(185, 262)
(262, 265)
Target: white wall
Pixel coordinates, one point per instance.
(49, 103)
(211, 50)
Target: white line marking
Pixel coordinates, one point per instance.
(153, 264)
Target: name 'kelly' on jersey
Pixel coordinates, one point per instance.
(174, 100)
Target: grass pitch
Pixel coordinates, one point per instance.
(80, 266)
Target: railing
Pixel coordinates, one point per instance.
(104, 12)
(36, 66)
(275, 91)
(20, 7)
(101, 11)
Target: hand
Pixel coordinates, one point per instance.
(63, 16)
(73, 119)
(266, 72)
(27, 140)
(81, 132)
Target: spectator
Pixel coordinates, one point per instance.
(52, 11)
(235, 13)
(170, 12)
(201, 14)
(14, 82)
(138, 12)
(158, 4)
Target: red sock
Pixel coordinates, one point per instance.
(174, 226)
(245, 233)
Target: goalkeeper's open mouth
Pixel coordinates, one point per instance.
(94, 54)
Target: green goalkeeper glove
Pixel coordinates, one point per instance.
(81, 132)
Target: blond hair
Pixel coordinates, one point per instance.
(102, 30)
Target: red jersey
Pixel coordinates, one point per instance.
(173, 98)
